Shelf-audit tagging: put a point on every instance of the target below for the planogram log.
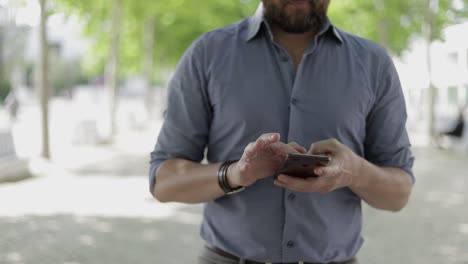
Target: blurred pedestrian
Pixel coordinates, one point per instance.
(286, 74)
(12, 104)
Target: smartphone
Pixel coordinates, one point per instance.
(302, 165)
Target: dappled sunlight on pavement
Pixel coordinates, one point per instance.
(433, 227)
(90, 196)
(91, 204)
(77, 239)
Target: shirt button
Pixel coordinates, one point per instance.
(294, 101)
(291, 197)
(290, 244)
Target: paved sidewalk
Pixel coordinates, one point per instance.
(433, 228)
(100, 211)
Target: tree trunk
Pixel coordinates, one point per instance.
(383, 32)
(382, 23)
(148, 62)
(2, 39)
(113, 62)
(432, 8)
(43, 83)
(1, 50)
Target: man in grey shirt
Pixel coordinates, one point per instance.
(279, 82)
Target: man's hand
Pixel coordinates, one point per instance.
(342, 171)
(261, 159)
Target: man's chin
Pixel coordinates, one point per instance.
(298, 26)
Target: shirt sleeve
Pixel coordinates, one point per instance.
(187, 118)
(387, 143)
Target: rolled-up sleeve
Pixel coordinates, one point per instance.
(387, 143)
(187, 118)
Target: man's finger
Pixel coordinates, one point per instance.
(289, 183)
(328, 171)
(297, 147)
(253, 147)
(250, 151)
(268, 138)
(325, 146)
(298, 184)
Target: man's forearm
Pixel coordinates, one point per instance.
(185, 181)
(383, 188)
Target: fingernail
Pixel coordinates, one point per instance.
(319, 171)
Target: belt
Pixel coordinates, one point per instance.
(236, 258)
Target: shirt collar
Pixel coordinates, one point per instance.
(255, 22)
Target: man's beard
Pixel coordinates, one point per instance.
(301, 21)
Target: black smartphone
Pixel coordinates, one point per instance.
(302, 165)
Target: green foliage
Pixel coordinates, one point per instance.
(179, 22)
(394, 23)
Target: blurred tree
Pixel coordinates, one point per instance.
(439, 13)
(44, 80)
(5, 89)
(172, 25)
(112, 67)
(394, 23)
(1, 52)
(175, 23)
(4, 86)
(142, 26)
(103, 20)
(12, 42)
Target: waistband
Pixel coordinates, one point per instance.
(225, 254)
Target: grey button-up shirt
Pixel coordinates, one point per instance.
(236, 83)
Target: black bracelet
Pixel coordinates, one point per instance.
(220, 178)
(223, 181)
